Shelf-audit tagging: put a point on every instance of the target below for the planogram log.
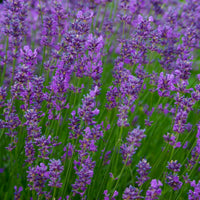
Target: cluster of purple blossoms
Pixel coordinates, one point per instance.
(17, 193)
(131, 193)
(171, 139)
(84, 167)
(38, 177)
(173, 179)
(49, 48)
(154, 190)
(174, 166)
(55, 170)
(11, 122)
(133, 142)
(194, 195)
(143, 170)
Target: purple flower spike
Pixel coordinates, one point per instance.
(17, 192)
(131, 193)
(154, 190)
(174, 166)
(143, 171)
(194, 195)
(133, 141)
(55, 169)
(173, 181)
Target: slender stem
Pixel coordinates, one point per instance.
(120, 175)
(54, 193)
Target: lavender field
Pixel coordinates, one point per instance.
(100, 99)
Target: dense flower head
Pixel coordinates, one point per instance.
(193, 195)
(37, 177)
(174, 166)
(173, 181)
(45, 145)
(154, 190)
(84, 176)
(29, 151)
(133, 142)
(131, 193)
(143, 170)
(88, 110)
(55, 170)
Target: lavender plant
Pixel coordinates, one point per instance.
(99, 99)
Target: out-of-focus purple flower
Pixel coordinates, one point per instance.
(185, 145)
(174, 166)
(154, 190)
(194, 195)
(3, 95)
(171, 139)
(17, 192)
(131, 193)
(173, 181)
(107, 195)
(1, 170)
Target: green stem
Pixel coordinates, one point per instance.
(54, 193)
(120, 175)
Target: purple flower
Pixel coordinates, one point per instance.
(55, 170)
(180, 121)
(143, 170)
(133, 141)
(45, 145)
(29, 152)
(165, 84)
(17, 192)
(107, 195)
(194, 195)
(85, 174)
(37, 177)
(29, 57)
(174, 166)
(94, 44)
(154, 190)
(88, 110)
(173, 181)
(131, 193)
